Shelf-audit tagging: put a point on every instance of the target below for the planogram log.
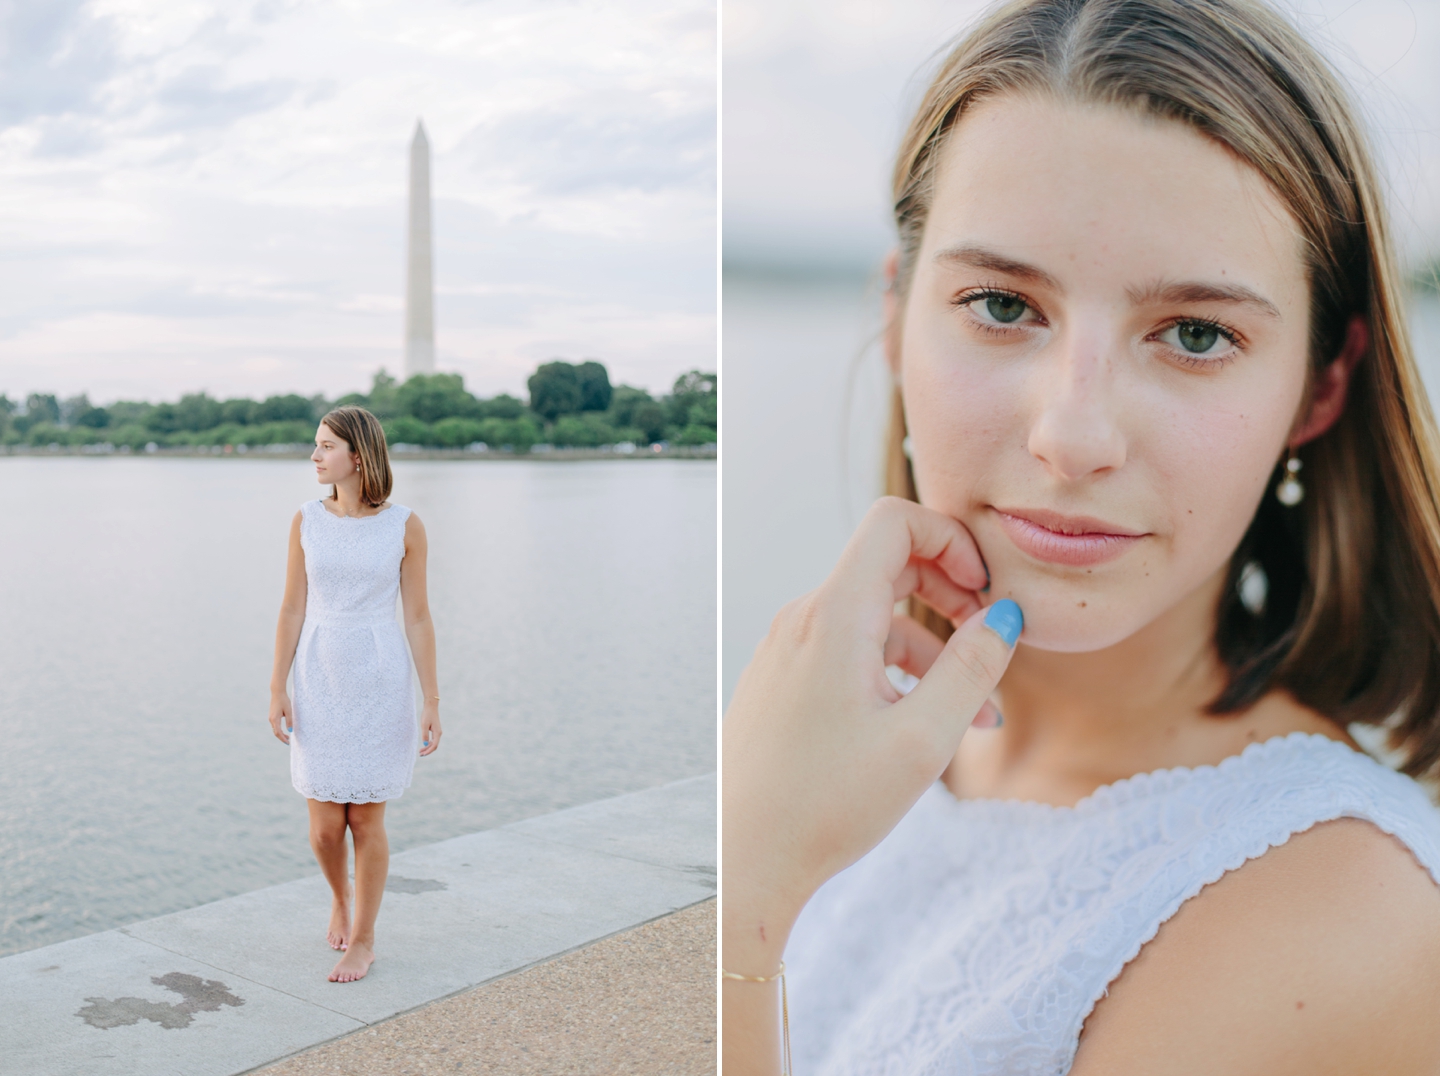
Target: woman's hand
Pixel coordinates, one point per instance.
(430, 727)
(282, 716)
(822, 756)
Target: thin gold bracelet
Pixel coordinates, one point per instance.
(785, 1069)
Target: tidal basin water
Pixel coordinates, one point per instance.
(574, 605)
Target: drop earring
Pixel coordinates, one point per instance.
(1290, 492)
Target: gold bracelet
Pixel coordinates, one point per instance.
(785, 1069)
(754, 978)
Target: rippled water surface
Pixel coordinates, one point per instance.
(574, 606)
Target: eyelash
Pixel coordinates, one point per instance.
(964, 299)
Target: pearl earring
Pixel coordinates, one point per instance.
(1290, 492)
(906, 448)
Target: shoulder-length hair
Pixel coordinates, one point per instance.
(1350, 625)
(363, 433)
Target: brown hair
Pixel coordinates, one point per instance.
(1351, 622)
(363, 433)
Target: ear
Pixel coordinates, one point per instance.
(891, 310)
(1327, 398)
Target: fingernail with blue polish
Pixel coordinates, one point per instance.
(999, 719)
(1006, 620)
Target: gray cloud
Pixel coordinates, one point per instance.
(198, 97)
(612, 140)
(54, 57)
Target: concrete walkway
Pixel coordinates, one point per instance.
(227, 987)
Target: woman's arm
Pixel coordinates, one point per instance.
(420, 629)
(822, 756)
(1320, 956)
(287, 635)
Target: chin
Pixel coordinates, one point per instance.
(1072, 618)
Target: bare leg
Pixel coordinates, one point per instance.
(372, 864)
(327, 839)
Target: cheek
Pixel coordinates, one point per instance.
(1197, 463)
(966, 423)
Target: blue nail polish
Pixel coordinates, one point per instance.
(986, 588)
(1006, 620)
(999, 719)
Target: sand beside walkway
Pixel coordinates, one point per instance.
(639, 1002)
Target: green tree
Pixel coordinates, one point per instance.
(287, 408)
(197, 411)
(457, 431)
(41, 407)
(407, 430)
(502, 406)
(586, 430)
(649, 417)
(595, 391)
(555, 390)
(381, 402)
(239, 411)
(517, 433)
(431, 397)
(623, 402)
(129, 412)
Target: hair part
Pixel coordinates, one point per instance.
(366, 437)
(1351, 622)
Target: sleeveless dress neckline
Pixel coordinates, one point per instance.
(374, 515)
(976, 938)
(1147, 782)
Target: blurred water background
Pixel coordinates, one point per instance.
(575, 612)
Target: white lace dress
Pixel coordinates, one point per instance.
(355, 736)
(976, 938)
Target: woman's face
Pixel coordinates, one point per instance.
(1102, 353)
(334, 462)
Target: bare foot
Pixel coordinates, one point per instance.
(354, 964)
(339, 933)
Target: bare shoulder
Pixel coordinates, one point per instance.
(1321, 956)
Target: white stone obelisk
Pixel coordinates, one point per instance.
(419, 282)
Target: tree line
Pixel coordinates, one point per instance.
(571, 405)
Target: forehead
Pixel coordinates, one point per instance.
(1102, 196)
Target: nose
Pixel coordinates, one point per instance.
(1075, 433)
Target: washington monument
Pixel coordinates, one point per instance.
(419, 285)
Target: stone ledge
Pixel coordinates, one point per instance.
(230, 986)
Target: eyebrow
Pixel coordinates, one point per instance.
(1190, 291)
(1200, 292)
(981, 258)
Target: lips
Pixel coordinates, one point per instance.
(1075, 541)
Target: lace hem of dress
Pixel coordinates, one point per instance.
(331, 795)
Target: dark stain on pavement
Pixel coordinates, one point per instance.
(201, 995)
(705, 873)
(397, 884)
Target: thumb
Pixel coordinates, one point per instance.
(954, 689)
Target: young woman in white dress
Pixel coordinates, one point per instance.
(351, 726)
(1165, 496)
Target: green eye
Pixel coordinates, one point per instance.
(1196, 336)
(1005, 308)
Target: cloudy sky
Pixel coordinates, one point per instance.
(817, 92)
(206, 195)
